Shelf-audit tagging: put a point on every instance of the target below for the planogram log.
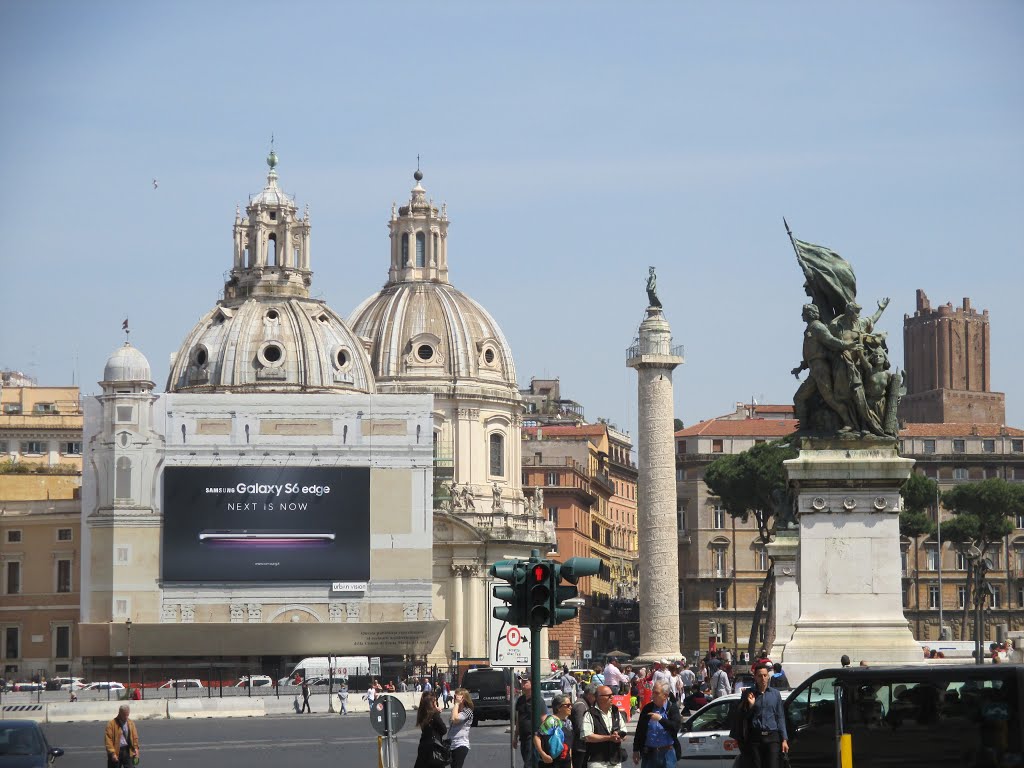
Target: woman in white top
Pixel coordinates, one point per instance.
(461, 721)
(675, 685)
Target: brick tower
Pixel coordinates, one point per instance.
(946, 355)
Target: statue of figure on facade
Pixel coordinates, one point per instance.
(468, 499)
(850, 391)
(784, 509)
(456, 498)
(652, 288)
(538, 500)
(496, 497)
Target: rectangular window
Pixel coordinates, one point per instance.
(44, 408)
(552, 478)
(761, 559)
(3, 447)
(553, 514)
(33, 447)
(1020, 520)
(682, 600)
(1018, 561)
(1017, 446)
(63, 575)
(961, 596)
(497, 455)
(718, 561)
(995, 597)
(120, 607)
(929, 446)
(12, 409)
(73, 448)
(904, 561)
(988, 446)
(961, 561)
(933, 597)
(62, 642)
(718, 517)
(1020, 596)
(720, 598)
(121, 555)
(932, 558)
(125, 413)
(959, 446)
(12, 643)
(595, 532)
(680, 475)
(13, 577)
(63, 534)
(13, 537)
(959, 473)
(717, 446)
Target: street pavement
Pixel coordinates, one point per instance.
(317, 739)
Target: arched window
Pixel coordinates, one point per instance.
(435, 254)
(247, 259)
(420, 255)
(497, 454)
(405, 249)
(272, 250)
(123, 478)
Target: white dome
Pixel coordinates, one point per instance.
(127, 364)
(425, 333)
(271, 344)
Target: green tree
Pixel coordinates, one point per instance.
(754, 483)
(677, 424)
(919, 494)
(982, 517)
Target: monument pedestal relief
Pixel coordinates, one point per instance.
(851, 600)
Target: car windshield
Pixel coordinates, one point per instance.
(20, 740)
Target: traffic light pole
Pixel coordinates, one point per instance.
(537, 698)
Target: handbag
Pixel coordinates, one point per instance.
(440, 752)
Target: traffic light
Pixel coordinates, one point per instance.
(572, 570)
(514, 593)
(539, 603)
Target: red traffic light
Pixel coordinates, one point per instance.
(540, 572)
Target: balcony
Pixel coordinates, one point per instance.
(712, 573)
(659, 347)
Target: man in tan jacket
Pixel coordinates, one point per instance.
(121, 740)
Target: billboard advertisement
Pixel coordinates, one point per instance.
(225, 524)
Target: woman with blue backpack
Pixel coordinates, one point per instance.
(553, 741)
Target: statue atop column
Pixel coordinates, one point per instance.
(850, 392)
(652, 288)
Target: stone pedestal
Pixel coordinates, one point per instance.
(654, 357)
(783, 551)
(851, 598)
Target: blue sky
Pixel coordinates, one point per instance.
(574, 143)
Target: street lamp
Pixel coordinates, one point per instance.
(128, 626)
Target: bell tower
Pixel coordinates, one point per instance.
(419, 239)
(271, 245)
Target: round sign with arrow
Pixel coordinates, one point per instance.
(387, 715)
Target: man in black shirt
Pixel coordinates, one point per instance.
(522, 730)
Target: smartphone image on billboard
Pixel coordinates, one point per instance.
(264, 536)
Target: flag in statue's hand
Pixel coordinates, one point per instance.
(830, 279)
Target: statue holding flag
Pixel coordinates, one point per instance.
(850, 392)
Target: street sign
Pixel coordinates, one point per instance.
(588, 655)
(379, 710)
(509, 645)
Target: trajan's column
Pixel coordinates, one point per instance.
(654, 358)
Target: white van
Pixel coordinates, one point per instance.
(331, 666)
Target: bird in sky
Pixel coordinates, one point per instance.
(155, 183)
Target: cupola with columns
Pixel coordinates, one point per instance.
(271, 245)
(419, 236)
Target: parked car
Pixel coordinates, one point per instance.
(256, 681)
(68, 683)
(28, 686)
(104, 686)
(191, 683)
(23, 744)
(549, 689)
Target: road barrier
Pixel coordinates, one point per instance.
(102, 711)
(35, 712)
(241, 706)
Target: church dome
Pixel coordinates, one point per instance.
(421, 331)
(425, 335)
(267, 334)
(285, 344)
(127, 364)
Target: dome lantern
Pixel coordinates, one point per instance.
(419, 238)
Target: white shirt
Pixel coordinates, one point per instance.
(588, 730)
(613, 677)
